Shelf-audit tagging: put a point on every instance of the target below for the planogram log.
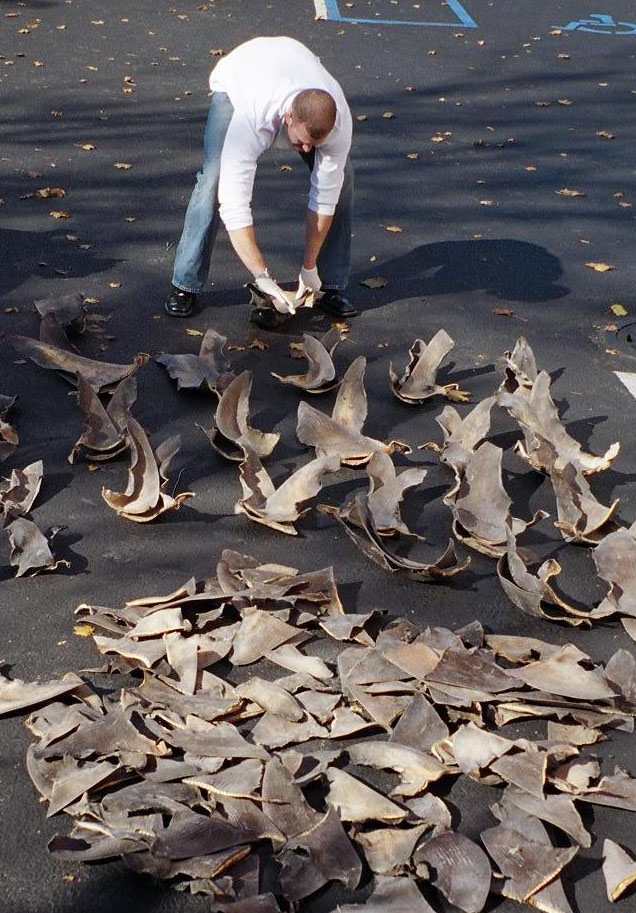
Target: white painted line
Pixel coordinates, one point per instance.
(628, 379)
(321, 9)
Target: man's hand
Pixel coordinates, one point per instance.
(264, 283)
(308, 282)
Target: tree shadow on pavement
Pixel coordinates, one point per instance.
(507, 269)
(44, 254)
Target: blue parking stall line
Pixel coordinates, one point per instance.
(330, 9)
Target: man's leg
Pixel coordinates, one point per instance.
(334, 260)
(192, 259)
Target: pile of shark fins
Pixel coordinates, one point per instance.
(229, 766)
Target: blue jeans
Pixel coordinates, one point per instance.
(192, 259)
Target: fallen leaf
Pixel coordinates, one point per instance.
(605, 134)
(192, 332)
(566, 192)
(231, 348)
(45, 192)
(87, 147)
(393, 228)
(374, 282)
(618, 310)
(565, 101)
(285, 168)
(83, 630)
(123, 166)
(59, 214)
(388, 115)
(114, 284)
(259, 345)
(361, 116)
(599, 267)
(412, 155)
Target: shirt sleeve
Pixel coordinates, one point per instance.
(241, 150)
(327, 176)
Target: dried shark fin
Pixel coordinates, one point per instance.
(391, 895)
(341, 433)
(278, 507)
(462, 436)
(100, 375)
(581, 517)
(524, 855)
(17, 695)
(209, 370)
(261, 300)
(165, 453)
(68, 310)
(461, 869)
(619, 869)
(19, 491)
(233, 434)
(350, 408)
(9, 439)
(480, 504)
(321, 376)
(142, 500)
(521, 367)
(30, 552)
(104, 435)
(356, 519)
(615, 560)
(418, 383)
(386, 489)
(545, 436)
(532, 592)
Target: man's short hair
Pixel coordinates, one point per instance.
(316, 110)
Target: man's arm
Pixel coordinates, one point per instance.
(243, 241)
(316, 229)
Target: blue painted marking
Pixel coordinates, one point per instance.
(464, 19)
(599, 24)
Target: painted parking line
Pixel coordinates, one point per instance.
(331, 9)
(628, 379)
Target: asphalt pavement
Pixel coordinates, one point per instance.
(470, 123)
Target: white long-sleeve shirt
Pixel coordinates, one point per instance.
(262, 78)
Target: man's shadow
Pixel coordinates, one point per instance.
(509, 270)
(40, 253)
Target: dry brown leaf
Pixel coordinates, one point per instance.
(259, 345)
(393, 228)
(374, 282)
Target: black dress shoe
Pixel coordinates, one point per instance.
(335, 304)
(180, 303)
(268, 318)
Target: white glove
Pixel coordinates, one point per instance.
(308, 282)
(268, 286)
